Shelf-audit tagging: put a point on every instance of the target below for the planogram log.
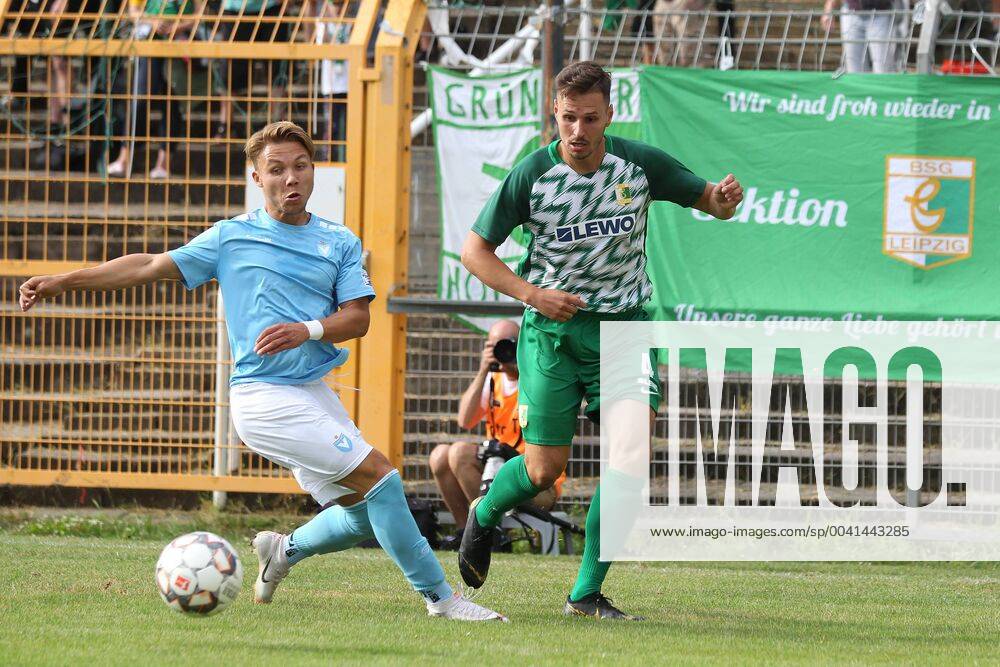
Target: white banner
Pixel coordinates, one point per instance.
(482, 127)
(882, 444)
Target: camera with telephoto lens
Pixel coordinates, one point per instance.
(505, 352)
(493, 454)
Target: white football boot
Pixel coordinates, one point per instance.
(274, 567)
(460, 608)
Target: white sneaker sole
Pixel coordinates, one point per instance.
(466, 614)
(498, 617)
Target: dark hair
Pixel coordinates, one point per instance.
(277, 133)
(584, 77)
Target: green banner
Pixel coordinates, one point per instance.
(866, 197)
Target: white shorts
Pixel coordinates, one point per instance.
(303, 427)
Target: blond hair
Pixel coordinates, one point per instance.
(277, 133)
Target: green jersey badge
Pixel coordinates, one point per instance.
(623, 194)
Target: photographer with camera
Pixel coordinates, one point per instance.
(459, 468)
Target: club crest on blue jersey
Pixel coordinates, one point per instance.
(343, 443)
(590, 229)
(324, 248)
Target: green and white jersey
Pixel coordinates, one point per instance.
(587, 233)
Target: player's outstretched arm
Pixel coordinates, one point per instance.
(479, 257)
(350, 322)
(127, 271)
(721, 199)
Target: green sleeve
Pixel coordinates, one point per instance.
(507, 207)
(669, 180)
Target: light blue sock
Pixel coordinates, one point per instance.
(334, 529)
(397, 532)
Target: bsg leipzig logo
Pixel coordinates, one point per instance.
(928, 209)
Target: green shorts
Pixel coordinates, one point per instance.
(559, 366)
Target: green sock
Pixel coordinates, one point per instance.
(510, 488)
(592, 571)
(623, 495)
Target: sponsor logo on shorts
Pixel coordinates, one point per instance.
(592, 229)
(522, 415)
(343, 443)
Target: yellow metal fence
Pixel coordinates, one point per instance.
(123, 132)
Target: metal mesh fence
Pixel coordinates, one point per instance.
(443, 354)
(785, 36)
(968, 42)
(123, 132)
(442, 358)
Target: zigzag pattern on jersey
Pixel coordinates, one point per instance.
(608, 272)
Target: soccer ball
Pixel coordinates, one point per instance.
(199, 573)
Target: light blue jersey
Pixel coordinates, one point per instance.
(272, 272)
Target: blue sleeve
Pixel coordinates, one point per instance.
(198, 260)
(352, 279)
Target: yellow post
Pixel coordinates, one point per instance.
(388, 110)
(364, 22)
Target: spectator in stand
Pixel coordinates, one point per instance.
(17, 25)
(73, 19)
(491, 396)
(152, 82)
(642, 26)
(868, 31)
(251, 21)
(333, 74)
(677, 22)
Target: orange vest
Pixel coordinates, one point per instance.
(502, 423)
(501, 414)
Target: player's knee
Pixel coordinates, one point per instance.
(438, 460)
(377, 465)
(368, 474)
(462, 455)
(543, 474)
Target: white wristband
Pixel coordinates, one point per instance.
(315, 329)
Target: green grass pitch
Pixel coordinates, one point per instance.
(73, 600)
